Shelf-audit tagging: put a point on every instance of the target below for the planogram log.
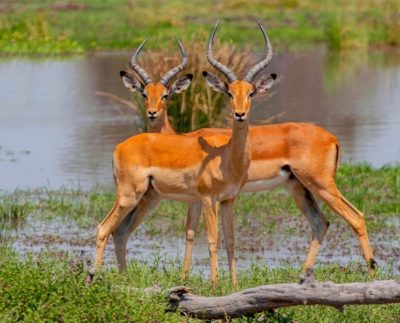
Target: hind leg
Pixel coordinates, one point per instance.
(324, 187)
(309, 207)
(354, 218)
(317, 174)
(121, 235)
(125, 202)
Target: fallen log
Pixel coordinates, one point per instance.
(307, 292)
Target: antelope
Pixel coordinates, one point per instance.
(155, 94)
(301, 157)
(208, 169)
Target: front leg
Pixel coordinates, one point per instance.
(211, 223)
(192, 222)
(227, 227)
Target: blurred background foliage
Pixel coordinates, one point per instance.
(54, 27)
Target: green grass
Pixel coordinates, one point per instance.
(50, 287)
(13, 213)
(40, 28)
(28, 34)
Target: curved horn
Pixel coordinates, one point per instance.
(139, 70)
(258, 67)
(217, 65)
(171, 73)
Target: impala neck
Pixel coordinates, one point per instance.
(162, 126)
(240, 148)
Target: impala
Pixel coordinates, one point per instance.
(299, 156)
(155, 94)
(210, 169)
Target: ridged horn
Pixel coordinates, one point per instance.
(261, 65)
(174, 71)
(139, 70)
(217, 65)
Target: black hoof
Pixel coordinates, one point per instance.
(372, 264)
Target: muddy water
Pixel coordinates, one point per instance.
(287, 244)
(55, 131)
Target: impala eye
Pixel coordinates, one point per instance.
(251, 94)
(144, 96)
(164, 97)
(230, 95)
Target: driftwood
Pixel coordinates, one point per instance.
(307, 292)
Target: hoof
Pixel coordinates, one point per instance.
(372, 264)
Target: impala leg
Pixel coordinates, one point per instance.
(192, 222)
(309, 207)
(211, 223)
(354, 218)
(123, 205)
(227, 225)
(100, 240)
(121, 235)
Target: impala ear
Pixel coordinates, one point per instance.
(131, 83)
(181, 84)
(215, 82)
(264, 83)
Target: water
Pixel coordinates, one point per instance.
(286, 245)
(54, 129)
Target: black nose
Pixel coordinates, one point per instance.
(239, 116)
(151, 113)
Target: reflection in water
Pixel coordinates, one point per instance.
(55, 131)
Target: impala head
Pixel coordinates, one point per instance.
(155, 94)
(239, 91)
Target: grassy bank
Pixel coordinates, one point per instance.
(53, 27)
(51, 288)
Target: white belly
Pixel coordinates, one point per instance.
(173, 185)
(266, 184)
(178, 197)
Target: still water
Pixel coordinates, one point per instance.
(55, 131)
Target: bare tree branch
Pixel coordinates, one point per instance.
(307, 292)
(118, 99)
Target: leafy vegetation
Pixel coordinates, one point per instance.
(51, 287)
(26, 35)
(53, 27)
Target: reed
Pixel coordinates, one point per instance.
(13, 213)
